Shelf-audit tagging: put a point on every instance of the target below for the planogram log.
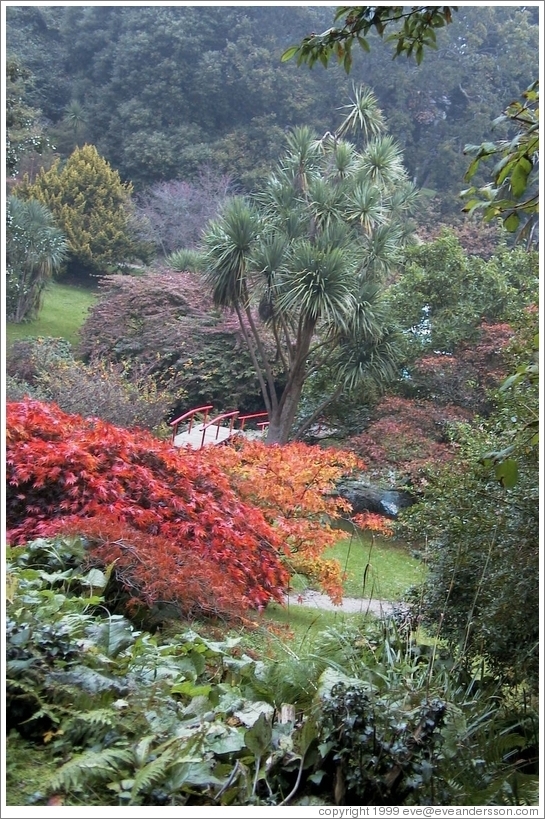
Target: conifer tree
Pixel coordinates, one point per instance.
(92, 206)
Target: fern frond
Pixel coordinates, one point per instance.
(152, 773)
(99, 716)
(91, 766)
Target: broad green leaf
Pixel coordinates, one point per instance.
(94, 578)
(258, 737)
(309, 733)
(363, 43)
(252, 711)
(289, 53)
(512, 222)
(222, 739)
(507, 473)
(113, 635)
(190, 689)
(519, 177)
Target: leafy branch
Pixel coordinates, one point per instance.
(415, 33)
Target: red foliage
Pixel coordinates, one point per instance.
(162, 514)
(465, 378)
(408, 435)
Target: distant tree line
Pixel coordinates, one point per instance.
(161, 91)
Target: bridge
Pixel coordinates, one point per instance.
(197, 428)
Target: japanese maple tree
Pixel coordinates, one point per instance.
(169, 519)
(294, 486)
(208, 531)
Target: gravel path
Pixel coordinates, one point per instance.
(352, 605)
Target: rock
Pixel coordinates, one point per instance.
(364, 497)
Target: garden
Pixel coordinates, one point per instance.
(342, 610)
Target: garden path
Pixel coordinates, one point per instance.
(350, 605)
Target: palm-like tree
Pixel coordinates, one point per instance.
(35, 250)
(309, 256)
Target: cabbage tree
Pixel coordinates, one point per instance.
(305, 260)
(35, 250)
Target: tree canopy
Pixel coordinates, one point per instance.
(220, 94)
(311, 252)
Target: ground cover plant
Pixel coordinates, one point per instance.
(123, 717)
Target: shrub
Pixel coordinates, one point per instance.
(294, 486)
(482, 590)
(408, 436)
(98, 389)
(164, 325)
(157, 511)
(92, 206)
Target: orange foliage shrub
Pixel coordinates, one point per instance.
(294, 486)
(374, 523)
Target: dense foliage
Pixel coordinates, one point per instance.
(24, 132)
(220, 94)
(171, 521)
(92, 206)
(513, 194)
(129, 492)
(318, 271)
(163, 325)
(444, 295)
(482, 531)
(313, 250)
(35, 250)
(45, 368)
(107, 715)
(415, 30)
(173, 215)
(294, 487)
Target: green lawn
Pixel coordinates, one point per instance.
(376, 567)
(64, 310)
(388, 568)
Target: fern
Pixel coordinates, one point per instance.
(99, 716)
(91, 766)
(152, 773)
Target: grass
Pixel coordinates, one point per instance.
(63, 313)
(387, 568)
(376, 567)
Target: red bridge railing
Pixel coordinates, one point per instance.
(189, 416)
(217, 423)
(234, 417)
(262, 424)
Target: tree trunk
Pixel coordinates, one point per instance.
(282, 418)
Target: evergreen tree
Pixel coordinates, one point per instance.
(92, 206)
(311, 254)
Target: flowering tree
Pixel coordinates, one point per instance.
(172, 215)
